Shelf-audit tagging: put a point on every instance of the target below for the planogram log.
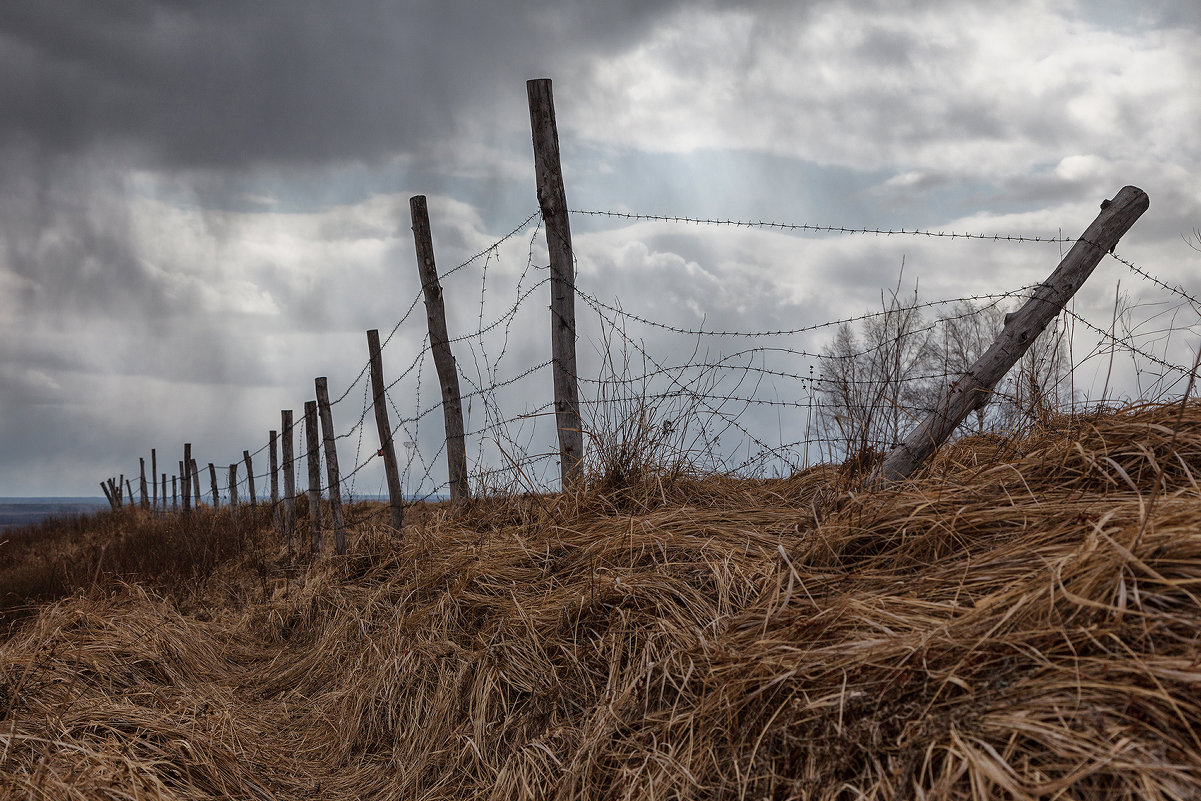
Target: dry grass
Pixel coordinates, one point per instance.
(1022, 621)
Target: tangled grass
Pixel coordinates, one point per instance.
(1022, 620)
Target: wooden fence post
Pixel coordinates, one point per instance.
(273, 467)
(974, 388)
(163, 494)
(233, 488)
(552, 198)
(129, 492)
(387, 449)
(310, 435)
(185, 476)
(154, 478)
(115, 491)
(142, 483)
(285, 417)
(121, 490)
(444, 360)
(174, 494)
(250, 480)
(195, 473)
(108, 495)
(331, 465)
(213, 484)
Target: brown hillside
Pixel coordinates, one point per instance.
(1021, 621)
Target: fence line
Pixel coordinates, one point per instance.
(701, 386)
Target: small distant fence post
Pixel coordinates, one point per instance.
(552, 198)
(310, 435)
(254, 504)
(387, 448)
(163, 495)
(331, 465)
(185, 476)
(444, 360)
(285, 416)
(108, 496)
(213, 483)
(174, 494)
(121, 490)
(195, 472)
(273, 467)
(233, 488)
(142, 483)
(975, 387)
(129, 492)
(154, 479)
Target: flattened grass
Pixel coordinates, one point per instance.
(1023, 620)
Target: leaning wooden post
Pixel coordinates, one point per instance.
(974, 388)
(387, 449)
(310, 435)
(285, 416)
(153, 479)
(213, 485)
(129, 492)
(254, 502)
(273, 467)
(142, 483)
(552, 198)
(331, 465)
(233, 488)
(109, 496)
(192, 469)
(444, 360)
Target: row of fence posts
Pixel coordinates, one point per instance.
(969, 392)
(552, 199)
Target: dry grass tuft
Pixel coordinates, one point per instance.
(1021, 621)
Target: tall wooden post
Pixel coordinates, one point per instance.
(163, 495)
(387, 448)
(285, 419)
(552, 198)
(331, 465)
(174, 494)
(213, 483)
(154, 478)
(310, 435)
(250, 479)
(974, 389)
(233, 488)
(185, 477)
(444, 360)
(142, 483)
(121, 489)
(195, 473)
(273, 467)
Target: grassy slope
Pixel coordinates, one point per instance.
(1020, 621)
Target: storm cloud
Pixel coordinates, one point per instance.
(205, 204)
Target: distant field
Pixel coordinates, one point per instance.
(27, 511)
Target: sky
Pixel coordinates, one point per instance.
(204, 205)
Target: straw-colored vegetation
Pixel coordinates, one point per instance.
(1020, 621)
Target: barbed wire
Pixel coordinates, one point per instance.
(703, 386)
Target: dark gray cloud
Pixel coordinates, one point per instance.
(224, 84)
